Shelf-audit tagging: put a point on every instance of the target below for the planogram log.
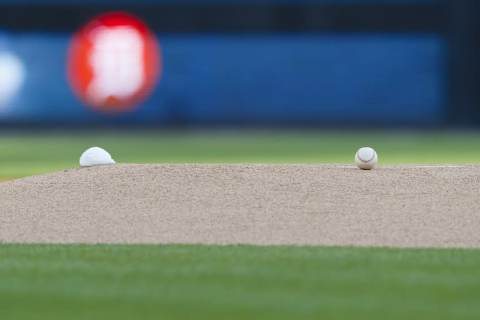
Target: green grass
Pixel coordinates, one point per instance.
(34, 153)
(211, 282)
(237, 282)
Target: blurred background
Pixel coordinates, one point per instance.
(281, 65)
(242, 62)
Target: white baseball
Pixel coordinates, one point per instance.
(366, 158)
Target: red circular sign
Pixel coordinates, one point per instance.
(114, 62)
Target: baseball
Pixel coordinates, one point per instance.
(366, 158)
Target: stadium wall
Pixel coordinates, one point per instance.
(309, 62)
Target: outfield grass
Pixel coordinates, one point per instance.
(34, 153)
(237, 282)
(209, 282)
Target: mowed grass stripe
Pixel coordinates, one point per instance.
(40, 152)
(237, 282)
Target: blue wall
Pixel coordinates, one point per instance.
(160, 2)
(280, 78)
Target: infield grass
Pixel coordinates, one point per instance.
(36, 152)
(237, 282)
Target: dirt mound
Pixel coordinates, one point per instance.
(248, 204)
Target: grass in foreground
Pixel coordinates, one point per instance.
(34, 153)
(236, 282)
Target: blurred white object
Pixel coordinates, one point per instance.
(12, 76)
(117, 63)
(95, 156)
(366, 158)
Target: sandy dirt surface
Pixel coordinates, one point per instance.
(246, 204)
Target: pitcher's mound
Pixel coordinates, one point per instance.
(246, 204)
